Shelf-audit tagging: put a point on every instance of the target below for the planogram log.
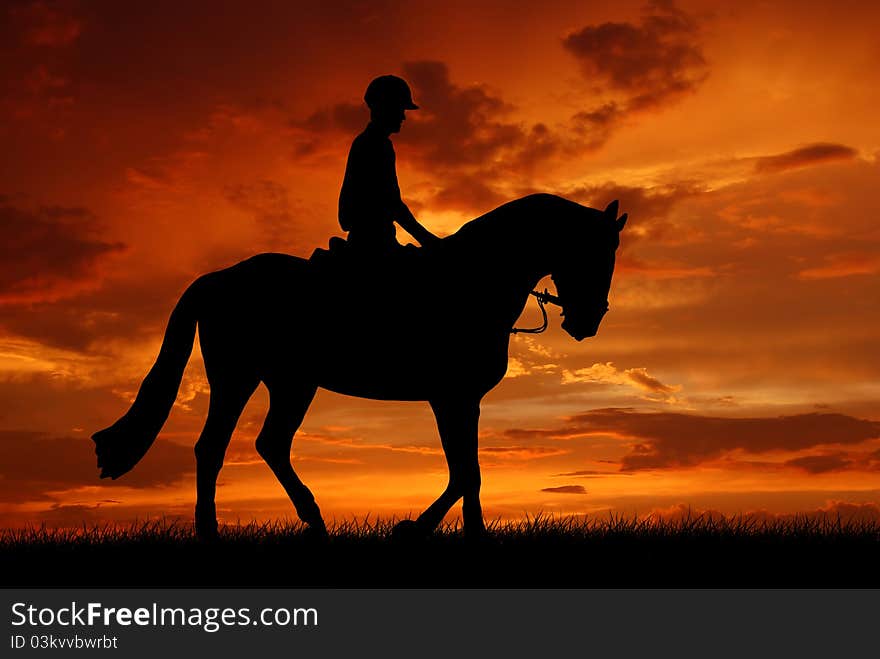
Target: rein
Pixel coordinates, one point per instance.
(543, 299)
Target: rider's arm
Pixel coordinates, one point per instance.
(399, 210)
(411, 225)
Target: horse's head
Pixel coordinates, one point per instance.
(583, 278)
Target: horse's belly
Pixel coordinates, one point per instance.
(378, 379)
(410, 375)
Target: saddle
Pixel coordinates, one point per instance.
(335, 256)
(354, 272)
(341, 258)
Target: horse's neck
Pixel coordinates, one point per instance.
(506, 252)
(519, 241)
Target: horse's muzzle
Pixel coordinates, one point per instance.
(580, 327)
(580, 333)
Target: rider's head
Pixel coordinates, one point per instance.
(388, 98)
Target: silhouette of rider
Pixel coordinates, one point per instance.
(369, 202)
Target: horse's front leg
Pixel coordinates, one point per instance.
(457, 422)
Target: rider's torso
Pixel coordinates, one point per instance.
(370, 193)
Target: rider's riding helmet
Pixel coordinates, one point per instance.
(389, 92)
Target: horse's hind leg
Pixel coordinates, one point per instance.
(287, 408)
(226, 405)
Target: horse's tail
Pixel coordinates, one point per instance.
(122, 445)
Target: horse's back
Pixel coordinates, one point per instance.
(246, 293)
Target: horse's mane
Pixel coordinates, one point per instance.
(517, 219)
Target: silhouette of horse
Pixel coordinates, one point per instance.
(442, 338)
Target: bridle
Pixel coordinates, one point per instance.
(543, 299)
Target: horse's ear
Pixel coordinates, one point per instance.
(622, 222)
(611, 209)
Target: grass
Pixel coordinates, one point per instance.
(534, 552)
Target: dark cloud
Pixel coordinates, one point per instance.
(806, 156)
(466, 133)
(565, 489)
(596, 126)
(658, 58)
(32, 465)
(462, 135)
(133, 308)
(848, 513)
(466, 193)
(457, 125)
(281, 220)
(349, 117)
(46, 24)
(647, 66)
(820, 464)
(49, 254)
(648, 207)
(680, 512)
(590, 473)
(667, 439)
(101, 514)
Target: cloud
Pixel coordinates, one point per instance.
(649, 208)
(269, 203)
(132, 310)
(806, 156)
(591, 473)
(465, 193)
(647, 66)
(638, 378)
(596, 126)
(33, 465)
(457, 125)
(348, 117)
(680, 512)
(848, 513)
(657, 57)
(522, 452)
(101, 514)
(660, 440)
(462, 135)
(565, 489)
(843, 265)
(50, 253)
(821, 464)
(46, 24)
(477, 154)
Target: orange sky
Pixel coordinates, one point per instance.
(738, 369)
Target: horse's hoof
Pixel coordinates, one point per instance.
(315, 535)
(207, 532)
(480, 538)
(408, 531)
